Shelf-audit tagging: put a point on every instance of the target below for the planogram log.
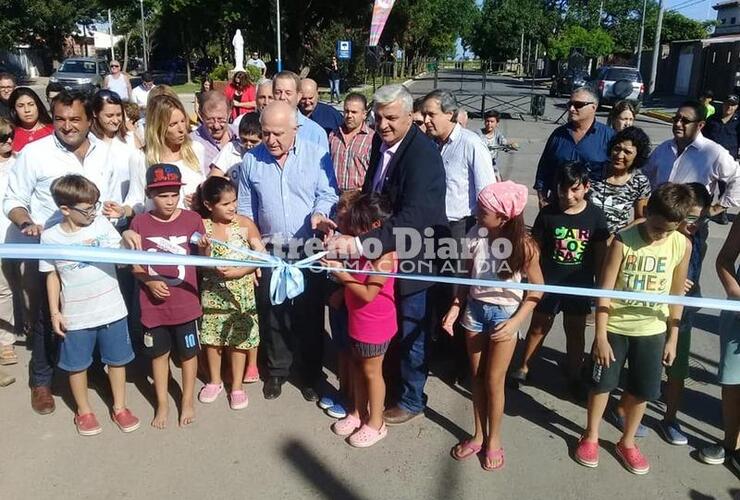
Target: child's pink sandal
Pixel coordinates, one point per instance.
(210, 392)
(494, 456)
(346, 426)
(367, 436)
(252, 375)
(467, 450)
(238, 400)
(587, 453)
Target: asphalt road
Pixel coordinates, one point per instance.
(284, 448)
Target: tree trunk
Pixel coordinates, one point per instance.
(126, 38)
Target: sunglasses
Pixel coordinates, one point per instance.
(696, 220)
(7, 137)
(578, 104)
(115, 65)
(683, 120)
(87, 212)
(419, 122)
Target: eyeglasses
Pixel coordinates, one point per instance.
(578, 104)
(7, 137)
(683, 120)
(696, 220)
(87, 212)
(419, 122)
(214, 121)
(115, 65)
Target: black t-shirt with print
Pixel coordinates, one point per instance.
(617, 202)
(567, 244)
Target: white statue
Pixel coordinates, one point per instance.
(238, 43)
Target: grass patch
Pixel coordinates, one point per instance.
(186, 88)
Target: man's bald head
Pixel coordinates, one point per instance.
(310, 96)
(279, 128)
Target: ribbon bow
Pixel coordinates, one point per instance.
(286, 281)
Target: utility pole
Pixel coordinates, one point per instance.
(642, 34)
(279, 51)
(521, 54)
(656, 50)
(143, 37)
(110, 32)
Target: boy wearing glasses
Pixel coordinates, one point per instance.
(86, 305)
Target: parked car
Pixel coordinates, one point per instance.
(568, 82)
(85, 73)
(618, 83)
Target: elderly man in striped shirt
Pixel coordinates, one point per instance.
(350, 144)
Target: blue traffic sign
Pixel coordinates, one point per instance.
(344, 49)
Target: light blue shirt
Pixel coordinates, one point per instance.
(282, 200)
(310, 131)
(468, 168)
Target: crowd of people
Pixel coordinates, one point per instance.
(276, 171)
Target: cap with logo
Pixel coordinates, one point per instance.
(733, 99)
(163, 175)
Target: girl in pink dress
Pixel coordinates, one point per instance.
(371, 306)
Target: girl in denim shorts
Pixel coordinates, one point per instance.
(501, 250)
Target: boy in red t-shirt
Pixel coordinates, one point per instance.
(170, 302)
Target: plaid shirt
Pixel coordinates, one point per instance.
(351, 160)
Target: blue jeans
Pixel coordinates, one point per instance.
(334, 89)
(414, 345)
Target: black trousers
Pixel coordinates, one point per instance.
(291, 333)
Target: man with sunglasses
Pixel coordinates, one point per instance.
(581, 139)
(29, 205)
(691, 157)
(118, 81)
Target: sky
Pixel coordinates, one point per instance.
(695, 9)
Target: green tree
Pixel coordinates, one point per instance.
(595, 42)
(497, 30)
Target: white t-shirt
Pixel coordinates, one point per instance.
(486, 267)
(259, 63)
(4, 221)
(90, 294)
(118, 85)
(229, 160)
(140, 96)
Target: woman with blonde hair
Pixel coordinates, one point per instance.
(168, 141)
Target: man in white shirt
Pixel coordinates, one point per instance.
(29, 205)
(140, 95)
(466, 160)
(257, 63)
(691, 157)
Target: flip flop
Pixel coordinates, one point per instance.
(468, 449)
(494, 455)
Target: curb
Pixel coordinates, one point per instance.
(658, 115)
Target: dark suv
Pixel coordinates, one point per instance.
(568, 82)
(618, 83)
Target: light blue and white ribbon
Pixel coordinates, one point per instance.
(289, 283)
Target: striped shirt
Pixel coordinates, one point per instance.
(351, 159)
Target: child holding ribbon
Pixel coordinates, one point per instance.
(227, 293)
(170, 303)
(501, 250)
(371, 307)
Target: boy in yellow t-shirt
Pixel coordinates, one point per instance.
(649, 258)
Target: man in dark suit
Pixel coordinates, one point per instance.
(406, 166)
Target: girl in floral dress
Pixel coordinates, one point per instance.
(227, 293)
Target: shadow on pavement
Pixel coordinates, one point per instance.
(315, 471)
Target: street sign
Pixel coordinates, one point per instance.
(344, 49)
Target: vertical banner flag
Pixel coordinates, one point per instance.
(381, 10)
